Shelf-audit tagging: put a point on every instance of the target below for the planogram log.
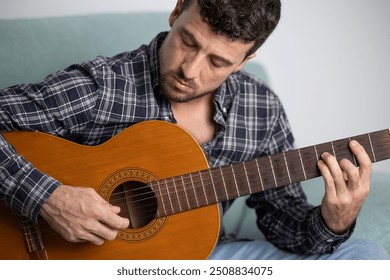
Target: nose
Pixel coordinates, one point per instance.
(191, 66)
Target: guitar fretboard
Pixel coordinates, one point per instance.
(193, 190)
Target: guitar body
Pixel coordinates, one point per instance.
(142, 153)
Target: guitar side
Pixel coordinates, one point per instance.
(146, 151)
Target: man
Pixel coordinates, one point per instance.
(190, 76)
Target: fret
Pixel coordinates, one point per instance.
(365, 142)
(169, 196)
(231, 182)
(266, 171)
(288, 170)
(246, 177)
(381, 141)
(273, 171)
(325, 147)
(343, 151)
(209, 186)
(281, 168)
(223, 182)
(235, 181)
(317, 155)
(159, 197)
(372, 148)
(309, 156)
(294, 166)
(213, 185)
(203, 188)
(187, 197)
(194, 188)
(197, 196)
(353, 156)
(333, 150)
(302, 165)
(226, 191)
(253, 177)
(259, 173)
(177, 194)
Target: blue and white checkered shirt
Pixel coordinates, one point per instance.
(91, 102)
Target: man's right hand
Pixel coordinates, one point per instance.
(80, 214)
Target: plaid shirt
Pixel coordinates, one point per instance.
(91, 102)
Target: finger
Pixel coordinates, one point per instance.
(352, 175)
(93, 238)
(365, 164)
(336, 171)
(330, 187)
(115, 209)
(109, 215)
(102, 231)
(114, 221)
(84, 235)
(96, 232)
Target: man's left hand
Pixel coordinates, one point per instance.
(346, 187)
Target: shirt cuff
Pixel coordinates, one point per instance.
(32, 192)
(325, 240)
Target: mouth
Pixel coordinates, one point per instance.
(180, 84)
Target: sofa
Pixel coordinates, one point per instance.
(30, 49)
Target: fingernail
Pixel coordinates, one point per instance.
(353, 143)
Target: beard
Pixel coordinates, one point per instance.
(169, 88)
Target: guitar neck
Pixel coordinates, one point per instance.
(194, 190)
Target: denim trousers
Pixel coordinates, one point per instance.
(264, 250)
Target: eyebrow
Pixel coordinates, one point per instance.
(223, 60)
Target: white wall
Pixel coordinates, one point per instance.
(43, 8)
(328, 60)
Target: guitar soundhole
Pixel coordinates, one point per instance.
(137, 202)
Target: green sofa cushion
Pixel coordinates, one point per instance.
(30, 49)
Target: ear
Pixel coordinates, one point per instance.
(175, 13)
(249, 57)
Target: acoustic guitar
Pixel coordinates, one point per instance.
(157, 173)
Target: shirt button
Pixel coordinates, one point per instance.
(329, 240)
(224, 110)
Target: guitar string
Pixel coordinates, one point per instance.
(173, 180)
(144, 212)
(378, 152)
(178, 179)
(197, 182)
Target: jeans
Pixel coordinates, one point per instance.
(264, 250)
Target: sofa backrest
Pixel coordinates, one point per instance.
(30, 49)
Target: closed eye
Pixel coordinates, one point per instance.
(188, 40)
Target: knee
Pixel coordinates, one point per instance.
(361, 250)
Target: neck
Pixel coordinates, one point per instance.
(197, 116)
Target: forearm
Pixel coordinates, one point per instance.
(24, 188)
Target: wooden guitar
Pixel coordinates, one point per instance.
(158, 175)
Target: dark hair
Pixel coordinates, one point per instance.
(240, 20)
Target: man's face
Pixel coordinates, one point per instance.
(194, 61)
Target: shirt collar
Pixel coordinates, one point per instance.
(224, 98)
(154, 61)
